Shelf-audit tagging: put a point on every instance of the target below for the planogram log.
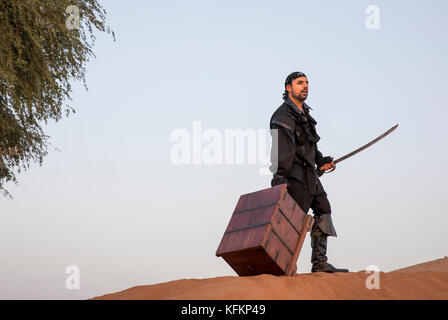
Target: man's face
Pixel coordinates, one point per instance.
(298, 88)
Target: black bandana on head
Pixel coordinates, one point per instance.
(294, 76)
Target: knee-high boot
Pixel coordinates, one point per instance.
(319, 253)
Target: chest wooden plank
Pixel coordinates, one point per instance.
(263, 233)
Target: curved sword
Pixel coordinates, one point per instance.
(348, 155)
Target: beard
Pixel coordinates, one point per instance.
(302, 97)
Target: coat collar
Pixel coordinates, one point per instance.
(293, 106)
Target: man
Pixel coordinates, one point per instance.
(294, 158)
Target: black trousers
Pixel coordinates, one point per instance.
(318, 203)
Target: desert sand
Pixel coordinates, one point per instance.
(427, 280)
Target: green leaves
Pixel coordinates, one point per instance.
(39, 57)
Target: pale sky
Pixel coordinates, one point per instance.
(112, 202)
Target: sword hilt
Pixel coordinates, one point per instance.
(321, 171)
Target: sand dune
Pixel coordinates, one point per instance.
(427, 280)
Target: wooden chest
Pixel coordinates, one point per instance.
(265, 233)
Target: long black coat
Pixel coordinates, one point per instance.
(297, 154)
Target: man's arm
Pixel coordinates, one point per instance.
(320, 160)
(283, 150)
(318, 156)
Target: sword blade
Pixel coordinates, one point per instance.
(367, 145)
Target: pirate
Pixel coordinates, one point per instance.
(294, 158)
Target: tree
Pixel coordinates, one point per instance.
(44, 45)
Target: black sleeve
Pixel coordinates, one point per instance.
(318, 156)
(321, 160)
(282, 152)
(318, 160)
